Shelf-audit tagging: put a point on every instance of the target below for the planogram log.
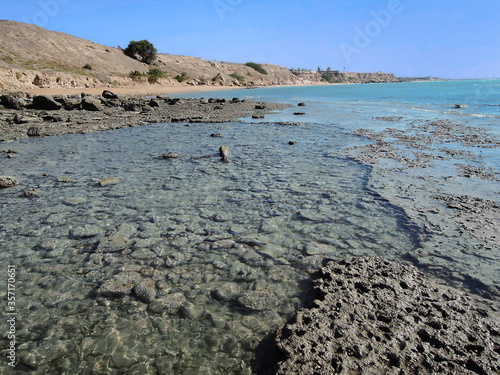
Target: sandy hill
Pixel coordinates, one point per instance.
(32, 57)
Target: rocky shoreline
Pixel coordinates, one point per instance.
(26, 115)
(369, 315)
(426, 169)
(372, 316)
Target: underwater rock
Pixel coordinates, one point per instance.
(7, 182)
(171, 155)
(109, 181)
(120, 285)
(145, 290)
(31, 193)
(113, 243)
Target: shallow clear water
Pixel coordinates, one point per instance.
(213, 254)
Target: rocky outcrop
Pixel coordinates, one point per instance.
(379, 317)
(90, 103)
(44, 115)
(45, 102)
(309, 76)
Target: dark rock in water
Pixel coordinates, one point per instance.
(302, 104)
(45, 102)
(260, 106)
(171, 155)
(224, 153)
(384, 317)
(90, 103)
(258, 117)
(299, 113)
(235, 100)
(34, 131)
(292, 143)
(216, 135)
(7, 182)
(458, 106)
(109, 95)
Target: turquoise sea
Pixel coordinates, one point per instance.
(186, 265)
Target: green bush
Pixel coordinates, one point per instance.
(330, 78)
(143, 48)
(87, 66)
(155, 74)
(182, 77)
(8, 59)
(239, 78)
(136, 75)
(259, 68)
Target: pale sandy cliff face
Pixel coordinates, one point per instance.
(32, 57)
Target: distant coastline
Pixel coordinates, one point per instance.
(40, 61)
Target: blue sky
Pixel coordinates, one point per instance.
(444, 38)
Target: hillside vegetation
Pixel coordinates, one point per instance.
(32, 57)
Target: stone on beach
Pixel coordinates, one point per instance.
(224, 153)
(34, 131)
(109, 95)
(45, 102)
(31, 193)
(171, 155)
(90, 103)
(7, 182)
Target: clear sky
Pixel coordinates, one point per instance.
(443, 38)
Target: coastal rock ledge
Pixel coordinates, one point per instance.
(373, 316)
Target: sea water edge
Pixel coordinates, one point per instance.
(214, 251)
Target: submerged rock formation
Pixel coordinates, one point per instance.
(378, 317)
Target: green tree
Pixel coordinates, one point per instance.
(144, 49)
(155, 74)
(259, 68)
